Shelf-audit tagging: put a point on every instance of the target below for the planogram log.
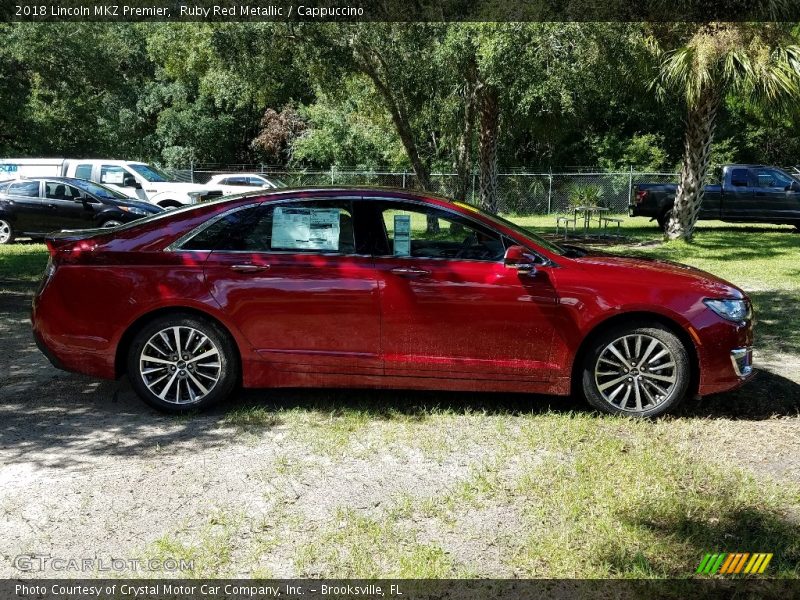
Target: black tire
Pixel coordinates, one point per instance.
(111, 223)
(170, 204)
(6, 232)
(183, 376)
(663, 219)
(637, 385)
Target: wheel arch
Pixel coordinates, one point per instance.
(127, 337)
(638, 317)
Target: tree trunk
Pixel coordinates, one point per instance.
(463, 159)
(401, 122)
(488, 138)
(700, 123)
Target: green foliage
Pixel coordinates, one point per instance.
(585, 195)
(571, 93)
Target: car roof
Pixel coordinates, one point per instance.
(377, 191)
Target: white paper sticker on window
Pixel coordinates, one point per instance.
(402, 235)
(305, 229)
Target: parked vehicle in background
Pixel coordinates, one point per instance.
(137, 179)
(746, 194)
(236, 183)
(349, 287)
(38, 205)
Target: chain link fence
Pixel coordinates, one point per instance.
(520, 193)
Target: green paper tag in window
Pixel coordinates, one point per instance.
(402, 235)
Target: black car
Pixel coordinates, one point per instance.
(35, 206)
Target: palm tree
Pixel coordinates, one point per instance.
(751, 59)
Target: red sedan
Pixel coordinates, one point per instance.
(385, 289)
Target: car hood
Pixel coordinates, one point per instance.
(655, 270)
(147, 206)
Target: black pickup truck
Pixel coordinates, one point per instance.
(747, 194)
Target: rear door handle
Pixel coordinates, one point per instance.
(410, 272)
(248, 268)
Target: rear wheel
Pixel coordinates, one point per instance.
(641, 371)
(6, 232)
(112, 223)
(180, 362)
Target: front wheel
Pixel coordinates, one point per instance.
(6, 232)
(640, 371)
(180, 362)
(111, 224)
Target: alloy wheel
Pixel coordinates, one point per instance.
(5, 232)
(111, 224)
(180, 365)
(635, 373)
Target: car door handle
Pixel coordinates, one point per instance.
(410, 272)
(248, 268)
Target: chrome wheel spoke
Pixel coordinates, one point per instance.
(635, 372)
(177, 374)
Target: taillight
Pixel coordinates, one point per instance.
(640, 196)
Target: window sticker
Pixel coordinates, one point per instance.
(402, 235)
(305, 229)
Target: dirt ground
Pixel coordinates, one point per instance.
(87, 470)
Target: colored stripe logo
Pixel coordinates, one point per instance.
(734, 563)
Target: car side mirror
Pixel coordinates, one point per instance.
(517, 257)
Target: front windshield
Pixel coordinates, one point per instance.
(100, 191)
(526, 233)
(150, 173)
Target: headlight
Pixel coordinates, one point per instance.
(731, 310)
(133, 210)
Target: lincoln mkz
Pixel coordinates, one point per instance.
(376, 288)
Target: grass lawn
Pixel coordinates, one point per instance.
(401, 484)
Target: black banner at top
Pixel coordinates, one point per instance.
(399, 10)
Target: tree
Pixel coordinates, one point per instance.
(755, 61)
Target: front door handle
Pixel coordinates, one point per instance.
(248, 268)
(410, 272)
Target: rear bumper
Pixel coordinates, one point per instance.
(66, 350)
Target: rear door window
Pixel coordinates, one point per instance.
(305, 227)
(25, 188)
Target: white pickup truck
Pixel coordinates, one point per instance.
(136, 179)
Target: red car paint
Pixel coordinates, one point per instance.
(364, 321)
